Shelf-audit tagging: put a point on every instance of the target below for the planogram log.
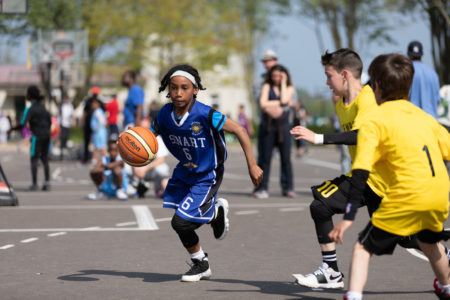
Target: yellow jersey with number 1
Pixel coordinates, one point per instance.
(351, 117)
(408, 146)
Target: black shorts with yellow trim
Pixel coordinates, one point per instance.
(380, 242)
(335, 193)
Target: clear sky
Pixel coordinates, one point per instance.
(295, 43)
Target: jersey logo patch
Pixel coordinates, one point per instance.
(196, 128)
(190, 165)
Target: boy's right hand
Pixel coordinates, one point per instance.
(256, 174)
(303, 133)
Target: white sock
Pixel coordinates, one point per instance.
(444, 288)
(353, 295)
(198, 255)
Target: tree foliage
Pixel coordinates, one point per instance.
(348, 19)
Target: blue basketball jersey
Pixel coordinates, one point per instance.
(196, 140)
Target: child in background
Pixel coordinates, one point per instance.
(194, 133)
(245, 122)
(99, 132)
(109, 175)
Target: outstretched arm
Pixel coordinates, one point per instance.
(255, 172)
(345, 138)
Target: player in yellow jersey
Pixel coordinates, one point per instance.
(408, 147)
(343, 70)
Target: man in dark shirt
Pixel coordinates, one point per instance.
(86, 121)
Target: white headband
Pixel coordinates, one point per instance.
(185, 75)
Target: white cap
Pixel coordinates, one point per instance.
(269, 55)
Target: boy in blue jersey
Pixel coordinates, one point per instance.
(193, 133)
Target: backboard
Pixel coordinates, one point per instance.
(13, 6)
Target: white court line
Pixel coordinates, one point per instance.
(144, 217)
(286, 209)
(127, 206)
(29, 240)
(415, 253)
(6, 247)
(90, 228)
(56, 234)
(246, 212)
(56, 174)
(163, 219)
(321, 163)
(93, 229)
(126, 224)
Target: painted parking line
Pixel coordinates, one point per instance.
(417, 254)
(288, 209)
(144, 220)
(163, 219)
(6, 247)
(246, 212)
(126, 224)
(29, 240)
(144, 217)
(56, 234)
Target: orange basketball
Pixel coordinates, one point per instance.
(137, 146)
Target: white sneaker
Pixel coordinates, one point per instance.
(199, 270)
(263, 194)
(96, 196)
(324, 277)
(220, 224)
(121, 195)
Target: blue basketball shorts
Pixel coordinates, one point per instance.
(193, 197)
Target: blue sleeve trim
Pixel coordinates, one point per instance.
(24, 116)
(218, 120)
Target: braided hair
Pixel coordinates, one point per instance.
(187, 68)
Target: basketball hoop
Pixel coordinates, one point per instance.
(64, 54)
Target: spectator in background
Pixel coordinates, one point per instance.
(300, 120)
(99, 132)
(4, 128)
(424, 91)
(153, 111)
(65, 123)
(86, 121)
(132, 111)
(39, 121)
(276, 102)
(112, 108)
(157, 171)
(109, 175)
(245, 122)
(444, 107)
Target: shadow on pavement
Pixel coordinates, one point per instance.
(278, 288)
(294, 291)
(89, 275)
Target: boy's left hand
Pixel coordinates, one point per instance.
(337, 234)
(256, 174)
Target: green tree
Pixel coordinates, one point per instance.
(347, 19)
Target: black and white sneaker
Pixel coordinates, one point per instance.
(220, 224)
(199, 270)
(324, 277)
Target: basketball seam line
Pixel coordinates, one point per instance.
(129, 150)
(143, 143)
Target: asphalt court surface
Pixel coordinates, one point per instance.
(59, 245)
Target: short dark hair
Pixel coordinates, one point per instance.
(131, 73)
(394, 74)
(280, 68)
(34, 93)
(184, 67)
(344, 59)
